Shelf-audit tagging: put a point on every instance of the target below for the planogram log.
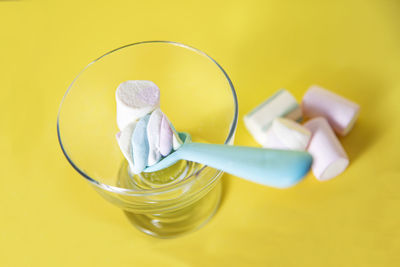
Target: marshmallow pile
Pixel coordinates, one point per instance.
(146, 135)
(275, 124)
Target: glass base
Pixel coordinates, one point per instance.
(179, 221)
(176, 211)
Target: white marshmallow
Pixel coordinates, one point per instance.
(153, 136)
(176, 141)
(124, 142)
(329, 157)
(272, 141)
(291, 135)
(135, 99)
(281, 104)
(340, 112)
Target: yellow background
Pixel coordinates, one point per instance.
(50, 216)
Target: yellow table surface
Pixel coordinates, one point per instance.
(50, 216)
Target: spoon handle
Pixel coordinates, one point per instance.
(276, 168)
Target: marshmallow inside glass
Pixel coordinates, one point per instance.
(146, 135)
(161, 86)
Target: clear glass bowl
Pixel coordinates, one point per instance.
(197, 96)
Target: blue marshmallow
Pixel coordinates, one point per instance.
(140, 145)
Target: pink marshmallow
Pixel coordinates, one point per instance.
(165, 137)
(340, 112)
(329, 157)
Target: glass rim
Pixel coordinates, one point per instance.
(170, 187)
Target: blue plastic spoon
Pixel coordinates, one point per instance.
(276, 168)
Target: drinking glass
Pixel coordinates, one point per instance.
(198, 98)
